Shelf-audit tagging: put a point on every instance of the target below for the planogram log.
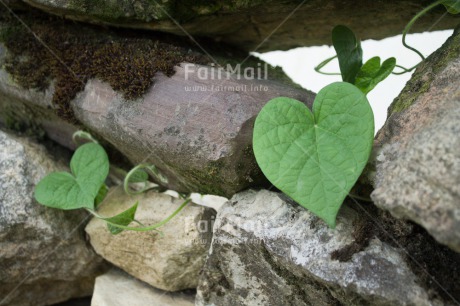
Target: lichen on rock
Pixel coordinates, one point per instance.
(417, 156)
(425, 73)
(44, 258)
(269, 251)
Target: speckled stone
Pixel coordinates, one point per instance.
(266, 251)
(44, 258)
(418, 150)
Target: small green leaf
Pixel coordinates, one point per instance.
(452, 6)
(316, 158)
(61, 190)
(371, 73)
(349, 52)
(123, 219)
(138, 176)
(101, 195)
(89, 166)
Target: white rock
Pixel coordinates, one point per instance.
(208, 200)
(170, 261)
(116, 288)
(266, 251)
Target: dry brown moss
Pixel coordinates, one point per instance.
(127, 60)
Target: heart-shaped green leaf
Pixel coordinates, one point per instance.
(452, 6)
(349, 52)
(89, 166)
(371, 73)
(316, 158)
(123, 219)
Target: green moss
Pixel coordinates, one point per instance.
(6, 32)
(117, 11)
(185, 10)
(426, 73)
(211, 179)
(209, 174)
(21, 120)
(127, 60)
(122, 11)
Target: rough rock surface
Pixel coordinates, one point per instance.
(266, 25)
(25, 110)
(197, 130)
(201, 140)
(266, 251)
(44, 258)
(116, 288)
(170, 261)
(418, 156)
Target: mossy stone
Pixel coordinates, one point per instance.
(426, 72)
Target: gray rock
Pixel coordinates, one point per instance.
(15, 4)
(269, 252)
(266, 25)
(418, 157)
(170, 261)
(201, 140)
(44, 258)
(116, 288)
(197, 131)
(31, 109)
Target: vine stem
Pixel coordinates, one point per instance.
(406, 31)
(126, 181)
(324, 63)
(83, 135)
(147, 228)
(132, 171)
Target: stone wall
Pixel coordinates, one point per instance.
(133, 90)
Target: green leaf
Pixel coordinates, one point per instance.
(452, 6)
(101, 195)
(349, 52)
(371, 73)
(123, 219)
(316, 158)
(138, 176)
(89, 166)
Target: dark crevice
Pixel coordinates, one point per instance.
(297, 283)
(436, 266)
